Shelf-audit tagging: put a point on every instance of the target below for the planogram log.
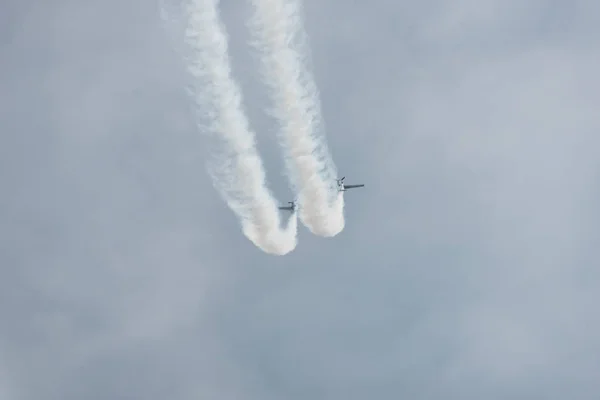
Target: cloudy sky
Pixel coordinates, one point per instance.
(468, 267)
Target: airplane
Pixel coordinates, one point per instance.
(343, 188)
(292, 207)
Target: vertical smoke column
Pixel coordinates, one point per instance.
(283, 47)
(237, 170)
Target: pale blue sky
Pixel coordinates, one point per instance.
(467, 268)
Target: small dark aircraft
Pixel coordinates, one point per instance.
(343, 188)
(292, 206)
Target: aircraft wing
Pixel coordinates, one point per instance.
(353, 186)
(287, 208)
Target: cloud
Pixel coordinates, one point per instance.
(475, 132)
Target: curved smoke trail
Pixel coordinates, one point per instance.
(237, 171)
(282, 45)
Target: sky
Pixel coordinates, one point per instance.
(467, 268)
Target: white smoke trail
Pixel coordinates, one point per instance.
(283, 47)
(237, 171)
